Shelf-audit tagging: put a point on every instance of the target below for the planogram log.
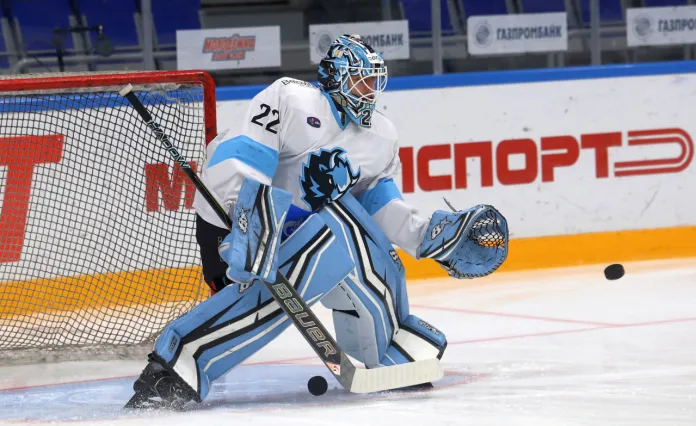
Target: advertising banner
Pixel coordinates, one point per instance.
(650, 26)
(557, 158)
(390, 38)
(529, 32)
(228, 48)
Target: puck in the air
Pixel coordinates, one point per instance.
(614, 272)
(317, 385)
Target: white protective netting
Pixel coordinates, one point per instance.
(97, 235)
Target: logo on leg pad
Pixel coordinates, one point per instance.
(429, 327)
(243, 220)
(397, 260)
(173, 343)
(244, 287)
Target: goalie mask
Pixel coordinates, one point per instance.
(353, 74)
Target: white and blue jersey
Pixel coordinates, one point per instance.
(296, 139)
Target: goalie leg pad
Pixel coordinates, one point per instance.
(356, 328)
(251, 248)
(372, 300)
(370, 306)
(229, 327)
(416, 340)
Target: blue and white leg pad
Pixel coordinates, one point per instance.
(251, 248)
(468, 244)
(370, 306)
(232, 325)
(415, 340)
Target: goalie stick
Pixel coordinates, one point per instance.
(357, 380)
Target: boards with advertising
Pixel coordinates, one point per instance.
(589, 165)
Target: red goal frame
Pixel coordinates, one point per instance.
(68, 81)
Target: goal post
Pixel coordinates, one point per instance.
(97, 231)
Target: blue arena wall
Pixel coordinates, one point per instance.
(501, 77)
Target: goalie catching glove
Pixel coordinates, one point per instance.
(251, 248)
(467, 244)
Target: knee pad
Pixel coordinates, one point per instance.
(354, 325)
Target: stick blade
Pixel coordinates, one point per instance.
(396, 376)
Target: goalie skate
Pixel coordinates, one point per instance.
(157, 388)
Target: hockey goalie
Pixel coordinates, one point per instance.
(309, 187)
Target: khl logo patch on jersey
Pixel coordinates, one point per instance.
(314, 122)
(326, 177)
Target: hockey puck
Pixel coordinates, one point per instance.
(317, 385)
(614, 272)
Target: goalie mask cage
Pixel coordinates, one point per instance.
(97, 234)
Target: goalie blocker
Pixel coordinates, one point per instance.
(338, 255)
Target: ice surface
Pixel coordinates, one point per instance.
(561, 347)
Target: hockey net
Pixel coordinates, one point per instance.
(97, 235)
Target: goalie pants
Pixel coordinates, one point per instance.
(338, 256)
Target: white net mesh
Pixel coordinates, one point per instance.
(97, 237)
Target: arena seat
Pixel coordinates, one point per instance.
(543, 6)
(117, 18)
(4, 62)
(663, 3)
(172, 15)
(609, 11)
(487, 7)
(418, 14)
(37, 20)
